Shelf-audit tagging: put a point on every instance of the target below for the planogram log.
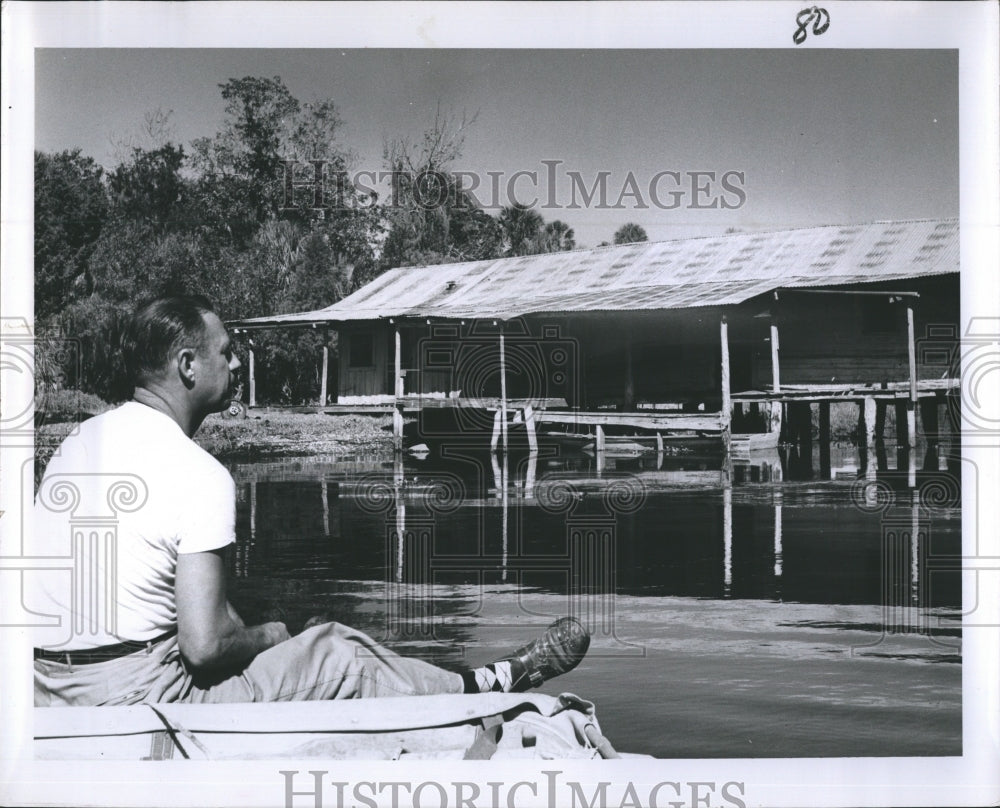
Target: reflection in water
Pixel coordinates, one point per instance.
(677, 571)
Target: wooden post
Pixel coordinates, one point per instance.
(503, 394)
(911, 352)
(599, 440)
(495, 439)
(253, 379)
(529, 475)
(868, 417)
(726, 415)
(727, 541)
(529, 426)
(323, 374)
(880, 407)
(929, 421)
(911, 445)
(775, 425)
(504, 503)
(253, 510)
(911, 415)
(775, 373)
(902, 429)
(824, 439)
(325, 496)
(778, 559)
(397, 412)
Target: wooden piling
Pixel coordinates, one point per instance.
(931, 429)
(880, 455)
(323, 375)
(911, 415)
(253, 378)
(866, 434)
(902, 436)
(775, 371)
(503, 394)
(824, 439)
(397, 412)
(726, 416)
(529, 426)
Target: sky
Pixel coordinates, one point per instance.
(803, 137)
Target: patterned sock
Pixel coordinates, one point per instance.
(496, 677)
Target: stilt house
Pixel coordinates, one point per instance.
(667, 336)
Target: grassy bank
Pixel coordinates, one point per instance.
(277, 432)
(264, 433)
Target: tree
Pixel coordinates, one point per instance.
(241, 169)
(149, 187)
(431, 218)
(630, 233)
(557, 236)
(521, 228)
(71, 206)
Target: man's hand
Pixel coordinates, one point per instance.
(209, 632)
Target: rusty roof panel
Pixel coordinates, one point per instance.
(721, 270)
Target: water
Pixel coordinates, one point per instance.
(769, 618)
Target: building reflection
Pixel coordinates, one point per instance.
(540, 521)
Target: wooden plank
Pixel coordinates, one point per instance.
(688, 422)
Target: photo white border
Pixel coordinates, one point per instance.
(970, 27)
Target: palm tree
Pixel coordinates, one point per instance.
(629, 233)
(520, 225)
(557, 237)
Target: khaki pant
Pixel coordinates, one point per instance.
(330, 661)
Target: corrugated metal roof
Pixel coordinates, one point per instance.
(716, 271)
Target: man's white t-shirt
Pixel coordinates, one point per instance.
(119, 500)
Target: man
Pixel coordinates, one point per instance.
(145, 516)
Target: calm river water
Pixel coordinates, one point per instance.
(772, 617)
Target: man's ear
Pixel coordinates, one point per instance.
(185, 366)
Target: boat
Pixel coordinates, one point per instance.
(487, 726)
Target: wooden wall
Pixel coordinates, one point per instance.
(674, 355)
(843, 339)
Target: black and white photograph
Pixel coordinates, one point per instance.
(483, 404)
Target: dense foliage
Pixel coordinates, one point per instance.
(211, 218)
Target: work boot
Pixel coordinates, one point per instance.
(557, 651)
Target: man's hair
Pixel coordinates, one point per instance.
(158, 328)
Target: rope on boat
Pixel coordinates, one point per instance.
(174, 728)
